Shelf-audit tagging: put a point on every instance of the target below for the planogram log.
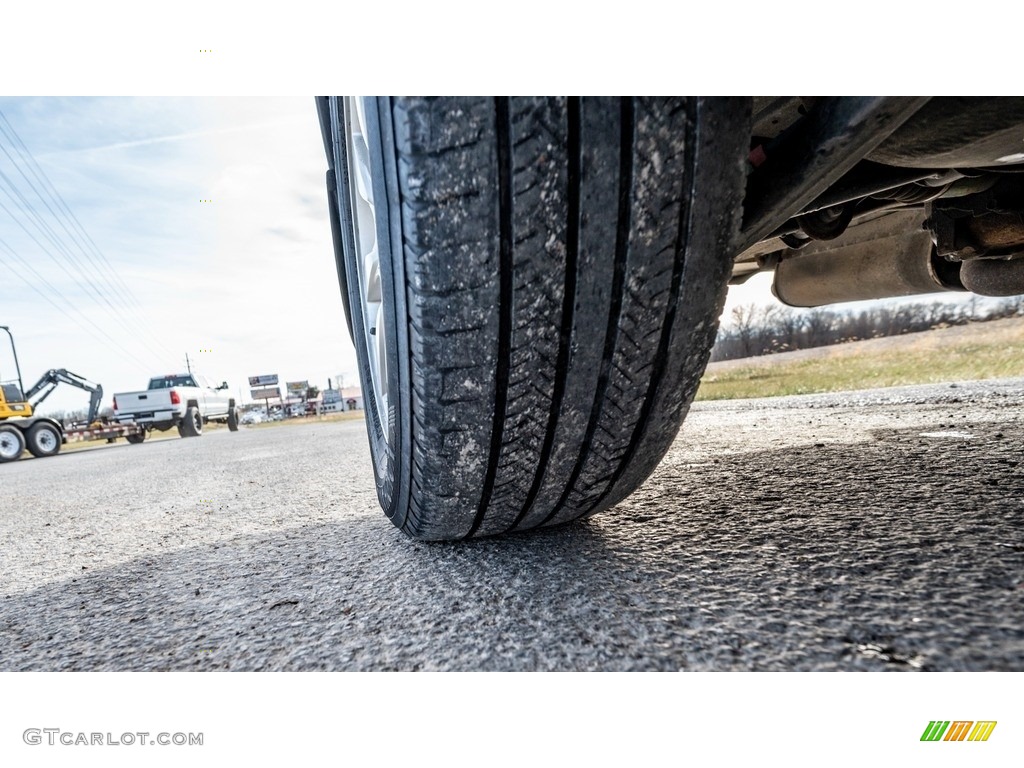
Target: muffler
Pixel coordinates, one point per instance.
(886, 257)
(994, 277)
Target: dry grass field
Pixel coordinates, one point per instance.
(959, 353)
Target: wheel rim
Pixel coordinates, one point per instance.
(363, 209)
(46, 441)
(8, 445)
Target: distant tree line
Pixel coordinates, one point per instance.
(750, 330)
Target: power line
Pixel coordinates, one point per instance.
(60, 308)
(45, 250)
(100, 264)
(54, 238)
(33, 165)
(41, 222)
(50, 235)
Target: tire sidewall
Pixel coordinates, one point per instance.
(388, 432)
(192, 423)
(32, 440)
(18, 439)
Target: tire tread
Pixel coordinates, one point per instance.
(518, 418)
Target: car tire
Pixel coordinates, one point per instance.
(191, 423)
(547, 275)
(233, 419)
(12, 443)
(43, 440)
(135, 438)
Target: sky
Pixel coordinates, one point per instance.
(244, 284)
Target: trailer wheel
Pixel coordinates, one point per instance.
(535, 285)
(191, 424)
(233, 419)
(12, 443)
(135, 438)
(43, 440)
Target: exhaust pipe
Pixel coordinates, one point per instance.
(887, 257)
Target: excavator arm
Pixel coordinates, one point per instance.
(49, 381)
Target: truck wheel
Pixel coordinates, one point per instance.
(43, 440)
(191, 423)
(135, 437)
(535, 286)
(12, 443)
(233, 419)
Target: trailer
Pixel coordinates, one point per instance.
(42, 436)
(104, 431)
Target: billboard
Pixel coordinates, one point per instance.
(297, 388)
(267, 393)
(332, 396)
(263, 381)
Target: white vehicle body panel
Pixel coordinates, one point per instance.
(167, 399)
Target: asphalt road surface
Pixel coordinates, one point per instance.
(878, 530)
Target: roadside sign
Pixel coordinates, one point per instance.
(263, 381)
(298, 388)
(331, 396)
(268, 393)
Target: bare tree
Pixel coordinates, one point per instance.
(743, 319)
(791, 326)
(818, 326)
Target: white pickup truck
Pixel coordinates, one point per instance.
(182, 400)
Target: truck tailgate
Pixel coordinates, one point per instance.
(147, 405)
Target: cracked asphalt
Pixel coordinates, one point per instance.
(876, 530)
